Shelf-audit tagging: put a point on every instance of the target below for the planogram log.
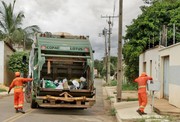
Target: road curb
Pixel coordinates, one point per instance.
(112, 107)
(2, 94)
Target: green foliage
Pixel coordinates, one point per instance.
(16, 64)
(11, 29)
(3, 90)
(113, 83)
(129, 86)
(144, 32)
(100, 65)
(113, 65)
(131, 99)
(109, 97)
(112, 111)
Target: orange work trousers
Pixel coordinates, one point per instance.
(142, 101)
(18, 99)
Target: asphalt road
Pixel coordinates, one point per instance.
(98, 113)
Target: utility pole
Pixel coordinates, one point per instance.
(174, 33)
(119, 63)
(109, 45)
(105, 52)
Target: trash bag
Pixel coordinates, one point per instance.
(83, 85)
(75, 83)
(60, 86)
(49, 84)
(82, 79)
(56, 83)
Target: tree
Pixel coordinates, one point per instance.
(10, 25)
(16, 62)
(98, 64)
(144, 32)
(101, 66)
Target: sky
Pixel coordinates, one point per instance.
(79, 17)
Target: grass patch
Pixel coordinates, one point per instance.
(131, 99)
(129, 86)
(112, 111)
(172, 118)
(109, 97)
(3, 90)
(125, 87)
(112, 83)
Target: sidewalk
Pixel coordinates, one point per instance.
(126, 110)
(162, 107)
(4, 94)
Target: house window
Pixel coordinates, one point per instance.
(144, 66)
(150, 67)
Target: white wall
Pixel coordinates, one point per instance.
(147, 56)
(174, 72)
(1, 62)
(156, 55)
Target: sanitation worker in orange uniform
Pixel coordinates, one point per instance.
(142, 95)
(17, 84)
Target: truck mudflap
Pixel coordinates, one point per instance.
(65, 101)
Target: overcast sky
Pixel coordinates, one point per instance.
(79, 17)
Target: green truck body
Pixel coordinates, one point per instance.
(58, 58)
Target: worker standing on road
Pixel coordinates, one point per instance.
(17, 84)
(142, 95)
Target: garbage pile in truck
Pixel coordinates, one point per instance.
(74, 84)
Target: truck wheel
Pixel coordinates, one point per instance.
(27, 93)
(33, 103)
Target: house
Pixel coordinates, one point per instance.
(6, 51)
(163, 64)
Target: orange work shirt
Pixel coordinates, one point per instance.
(142, 82)
(17, 83)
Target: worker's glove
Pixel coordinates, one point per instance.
(9, 91)
(151, 81)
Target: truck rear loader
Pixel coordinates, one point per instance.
(62, 68)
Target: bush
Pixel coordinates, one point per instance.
(113, 83)
(3, 90)
(112, 111)
(16, 62)
(129, 86)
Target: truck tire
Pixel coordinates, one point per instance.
(27, 92)
(33, 103)
(27, 95)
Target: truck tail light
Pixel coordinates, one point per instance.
(43, 47)
(86, 49)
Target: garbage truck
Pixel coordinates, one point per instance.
(62, 68)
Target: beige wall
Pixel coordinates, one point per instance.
(1, 62)
(174, 72)
(8, 75)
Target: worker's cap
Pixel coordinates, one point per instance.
(17, 74)
(143, 74)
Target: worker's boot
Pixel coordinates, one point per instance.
(139, 112)
(143, 113)
(16, 110)
(21, 110)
